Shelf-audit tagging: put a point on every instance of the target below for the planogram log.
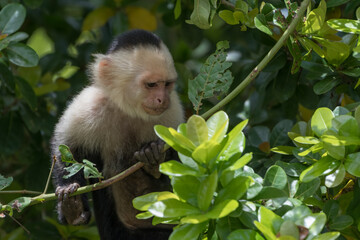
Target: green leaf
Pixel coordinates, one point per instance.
(214, 77)
(270, 193)
(206, 152)
(279, 135)
(285, 150)
(335, 3)
(174, 168)
(352, 164)
(340, 140)
(288, 228)
(345, 25)
(217, 126)
(340, 111)
(310, 45)
(73, 169)
(187, 231)
(261, 24)
(346, 125)
(275, 177)
(223, 208)
(235, 143)
(177, 9)
(229, 17)
(12, 17)
(66, 155)
(357, 115)
(321, 121)
(172, 208)
(270, 219)
(22, 55)
(315, 223)
(90, 171)
(322, 167)
(234, 189)
(328, 235)
(307, 189)
(331, 208)
(186, 187)
(206, 191)
(5, 182)
(26, 92)
(341, 222)
(326, 85)
(315, 19)
(196, 130)
(17, 37)
(335, 52)
(265, 230)
(175, 140)
(336, 178)
(240, 162)
(297, 214)
(7, 77)
(307, 140)
(201, 14)
(244, 234)
(97, 18)
(20, 203)
(143, 202)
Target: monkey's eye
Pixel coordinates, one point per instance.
(151, 85)
(167, 84)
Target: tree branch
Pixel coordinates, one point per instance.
(253, 74)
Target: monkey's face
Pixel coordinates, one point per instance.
(156, 93)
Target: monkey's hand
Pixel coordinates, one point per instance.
(152, 155)
(72, 208)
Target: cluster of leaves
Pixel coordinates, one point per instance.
(73, 167)
(214, 77)
(212, 186)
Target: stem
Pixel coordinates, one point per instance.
(253, 74)
(49, 177)
(20, 192)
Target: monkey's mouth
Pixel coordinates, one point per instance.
(154, 111)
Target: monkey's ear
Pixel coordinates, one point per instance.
(104, 71)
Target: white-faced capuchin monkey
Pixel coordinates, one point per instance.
(111, 124)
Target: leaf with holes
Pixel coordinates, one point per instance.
(214, 77)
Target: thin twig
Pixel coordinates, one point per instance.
(20, 192)
(49, 177)
(22, 226)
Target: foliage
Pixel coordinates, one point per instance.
(299, 182)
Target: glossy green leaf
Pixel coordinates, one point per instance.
(261, 24)
(144, 215)
(200, 15)
(291, 169)
(346, 125)
(336, 178)
(187, 231)
(172, 208)
(345, 25)
(326, 85)
(352, 164)
(275, 177)
(244, 234)
(335, 3)
(279, 135)
(26, 92)
(265, 230)
(12, 17)
(5, 182)
(206, 191)
(174, 168)
(307, 140)
(341, 222)
(310, 45)
(270, 219)
(235, 143)
(285, 150)
(340, 140)
(331, 208)
(234, 189)
(217, 126)
(327, 236)
(297, 214)
(66, 155)
(270, 193)
(288, 228)
(240, 162)
(315, 19)
(321, 120)
(17, 37)
(186, 187)
(22, 55)
(176, 140)
(340, 111)
(337, 152)
(143, 202)
(322, 167)
(335, 52)
(206, 152)
(197, 130)
(307, 189)
(315, 223)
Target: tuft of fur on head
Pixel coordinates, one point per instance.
(118, 73)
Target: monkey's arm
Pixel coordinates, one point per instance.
(71, 210)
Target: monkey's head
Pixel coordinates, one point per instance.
(137, 74)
